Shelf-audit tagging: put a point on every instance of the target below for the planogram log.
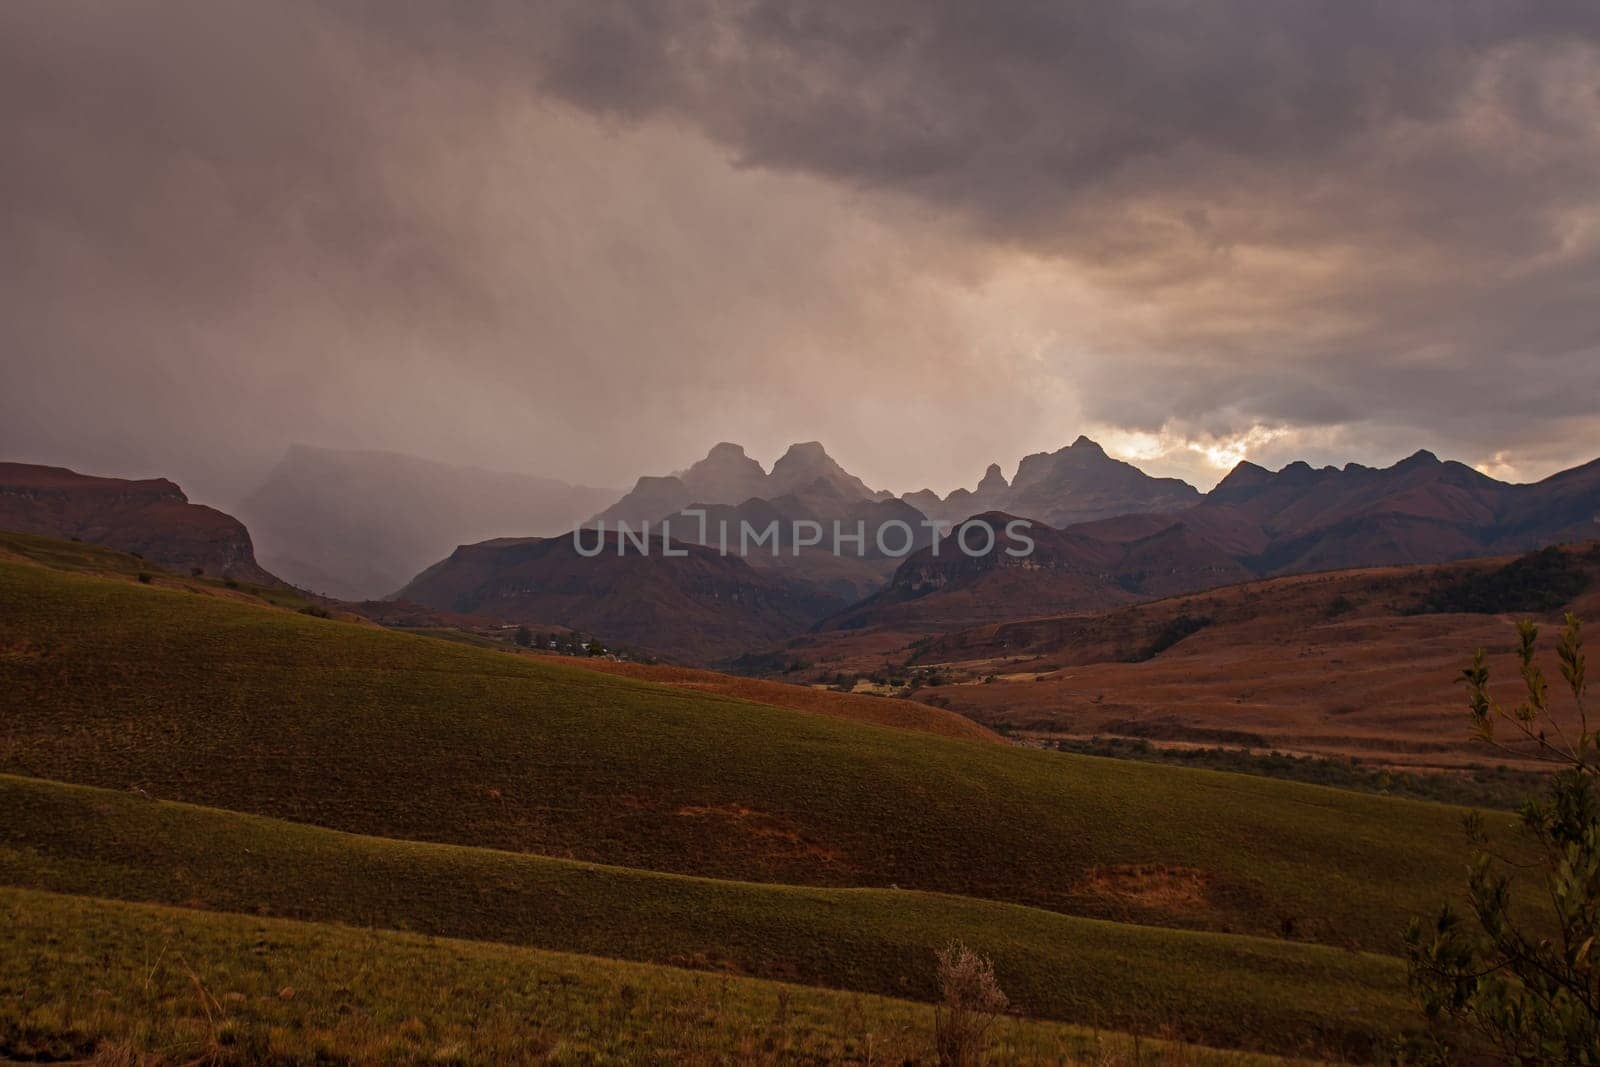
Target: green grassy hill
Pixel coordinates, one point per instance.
(233, 705)
(1235, 991)
(89, 976)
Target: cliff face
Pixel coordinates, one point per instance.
(150, 517)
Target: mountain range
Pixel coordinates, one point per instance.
(1255, 523)
(1077, 483)
(366, 524)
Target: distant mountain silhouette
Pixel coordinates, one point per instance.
(149, 517)
(359, 525)
(1420, 510)
(1078, 483)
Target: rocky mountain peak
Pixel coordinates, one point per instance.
(798, 469)
(725, 476)
(993, 480)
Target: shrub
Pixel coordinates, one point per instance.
(970, 1002)
(316, 611)
(1540, 581)
(145, 577)
(1339, 605)
(1181, 626)
(1534, 994)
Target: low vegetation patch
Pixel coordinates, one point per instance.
(1173, 631)
(1537, 582)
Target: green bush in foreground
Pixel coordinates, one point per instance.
(1531, 990)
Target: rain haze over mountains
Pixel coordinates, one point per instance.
(544, 240)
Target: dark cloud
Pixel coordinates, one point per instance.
(576, 236)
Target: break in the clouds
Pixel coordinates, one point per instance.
(588, 239)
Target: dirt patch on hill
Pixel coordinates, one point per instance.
(1149, 885)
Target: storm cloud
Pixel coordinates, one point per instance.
(589, 239)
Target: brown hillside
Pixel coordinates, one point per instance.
(1361, 662)
(1350, 663)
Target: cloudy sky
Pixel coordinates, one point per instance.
(589, 239)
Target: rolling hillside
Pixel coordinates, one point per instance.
(1348, 663)
(84, 982)
(351, 727)
(1238, 991)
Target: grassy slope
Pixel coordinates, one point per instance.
(235, 706)
(902, 713)
(1225, 989)
(87, 973)
(83, 558)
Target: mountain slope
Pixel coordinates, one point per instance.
(700, 606)
(150, 518)
(1050, 571)
(359, 525)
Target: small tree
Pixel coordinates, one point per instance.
(523, 637)
(970, 1002)
(1533, 993)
